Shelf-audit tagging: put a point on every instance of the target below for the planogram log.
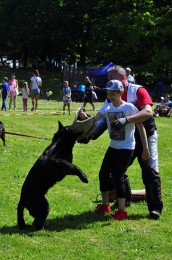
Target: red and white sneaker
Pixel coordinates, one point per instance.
(101, 209)
(119, 215)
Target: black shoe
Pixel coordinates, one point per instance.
(154, 214)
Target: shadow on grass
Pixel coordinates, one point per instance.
(74, 222)
(78, 222)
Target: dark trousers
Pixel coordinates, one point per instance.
(150, 176)
(4, 102)
(112, 171)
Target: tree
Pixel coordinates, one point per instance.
(93, 32)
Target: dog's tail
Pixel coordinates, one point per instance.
(20, 215)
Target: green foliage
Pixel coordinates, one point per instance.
(71, 231)
(131, 33)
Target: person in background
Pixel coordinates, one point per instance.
(74, 86)
(66, 97)
(35, 84)
(168, 102)
(164, 107)
(160, 109)
(13, 91)
(89, 96)
(48, 94)
(25, 94)
(4, 92)
(88, 82)
(130, 78)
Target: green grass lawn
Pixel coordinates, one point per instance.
(71, 231)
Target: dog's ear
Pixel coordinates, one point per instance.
(60, 126)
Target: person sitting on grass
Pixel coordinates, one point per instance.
(164, 107)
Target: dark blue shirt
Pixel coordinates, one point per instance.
(5, 88)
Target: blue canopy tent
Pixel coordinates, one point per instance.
(99, 76)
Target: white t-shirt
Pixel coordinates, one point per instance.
(36, 82)
(24, 93)
(125, 138)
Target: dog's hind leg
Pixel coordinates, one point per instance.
(20, 215)
(40, 212)
(3, 139)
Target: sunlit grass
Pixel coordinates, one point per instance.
(72, 232)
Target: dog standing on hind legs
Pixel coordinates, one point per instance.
(2, 135)
(52, 166)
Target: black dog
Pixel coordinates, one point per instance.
(52, 166)
(2, 135)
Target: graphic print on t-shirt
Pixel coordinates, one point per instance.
(116, 134)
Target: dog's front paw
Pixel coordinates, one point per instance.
(83, 178)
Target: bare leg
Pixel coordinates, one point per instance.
(121, 204)
(10, 103)
(64, 108)
(36, 102)
(105, 197)
(33, 102)
(68, 108)
(23, 105)
(26, 105)
(93, 106)
(15, 101)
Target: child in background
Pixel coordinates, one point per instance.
(13, 91)
(48, 94)
(4, 92)
(25, 93)
(66, 97)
